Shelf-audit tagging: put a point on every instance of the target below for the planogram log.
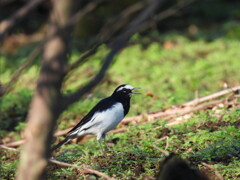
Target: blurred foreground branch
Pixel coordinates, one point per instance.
(6, 88)
(48, 101)
(106, 34)
(44, 109)
(8, 24)
(118, 43)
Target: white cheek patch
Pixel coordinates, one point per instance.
(127, 86)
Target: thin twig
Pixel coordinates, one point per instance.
(9, 148)
(213, 168)
(83, 58)
(120, 21)
(62, 132)
(7, 24)
(166, 13)
(57, 134)
(22, 141)
(18, 72)
(14, 143)
(86, 170)
(164, 151)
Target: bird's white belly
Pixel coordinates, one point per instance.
(104, 121)
(111, 118)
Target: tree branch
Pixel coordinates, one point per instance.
(44, 110)
(167, 13)
(4, 89)
(118, 44)
(17, 73)
(6, 25)
(111, 28)
(71, 98)
(83, 59)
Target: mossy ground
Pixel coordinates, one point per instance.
(169, 72)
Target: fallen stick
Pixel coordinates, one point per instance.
(214, 169)
(62, 132)
(14, 143)
(22, 141)
(185, 105)
(164, 151)
(85, 169)
(9, 148)
(212, 96)
(190, 110)
(173, 113)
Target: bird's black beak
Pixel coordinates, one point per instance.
(133, 91)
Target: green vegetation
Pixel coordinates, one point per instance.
(168, 72)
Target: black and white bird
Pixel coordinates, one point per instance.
(103, 117)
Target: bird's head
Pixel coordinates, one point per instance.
(125, 90)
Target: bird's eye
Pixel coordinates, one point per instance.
(124, 91)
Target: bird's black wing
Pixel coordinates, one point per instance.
(101, 106)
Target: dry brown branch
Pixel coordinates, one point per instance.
(212, 96)
(164, 151)
(118, 130)
(59, 133)
(190, 110)
(62, 132)
(214, 169)
(22, 141)
(86, 170)
(171, 113)
(7, 24)
(15, 143)
(9, 148)
(186, 107)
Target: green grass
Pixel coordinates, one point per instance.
(134, 156)
(166, 77)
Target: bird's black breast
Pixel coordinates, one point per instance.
(126, 107)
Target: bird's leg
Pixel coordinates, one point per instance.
(99, 141)
(104, 140)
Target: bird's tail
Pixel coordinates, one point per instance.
(66, 140)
